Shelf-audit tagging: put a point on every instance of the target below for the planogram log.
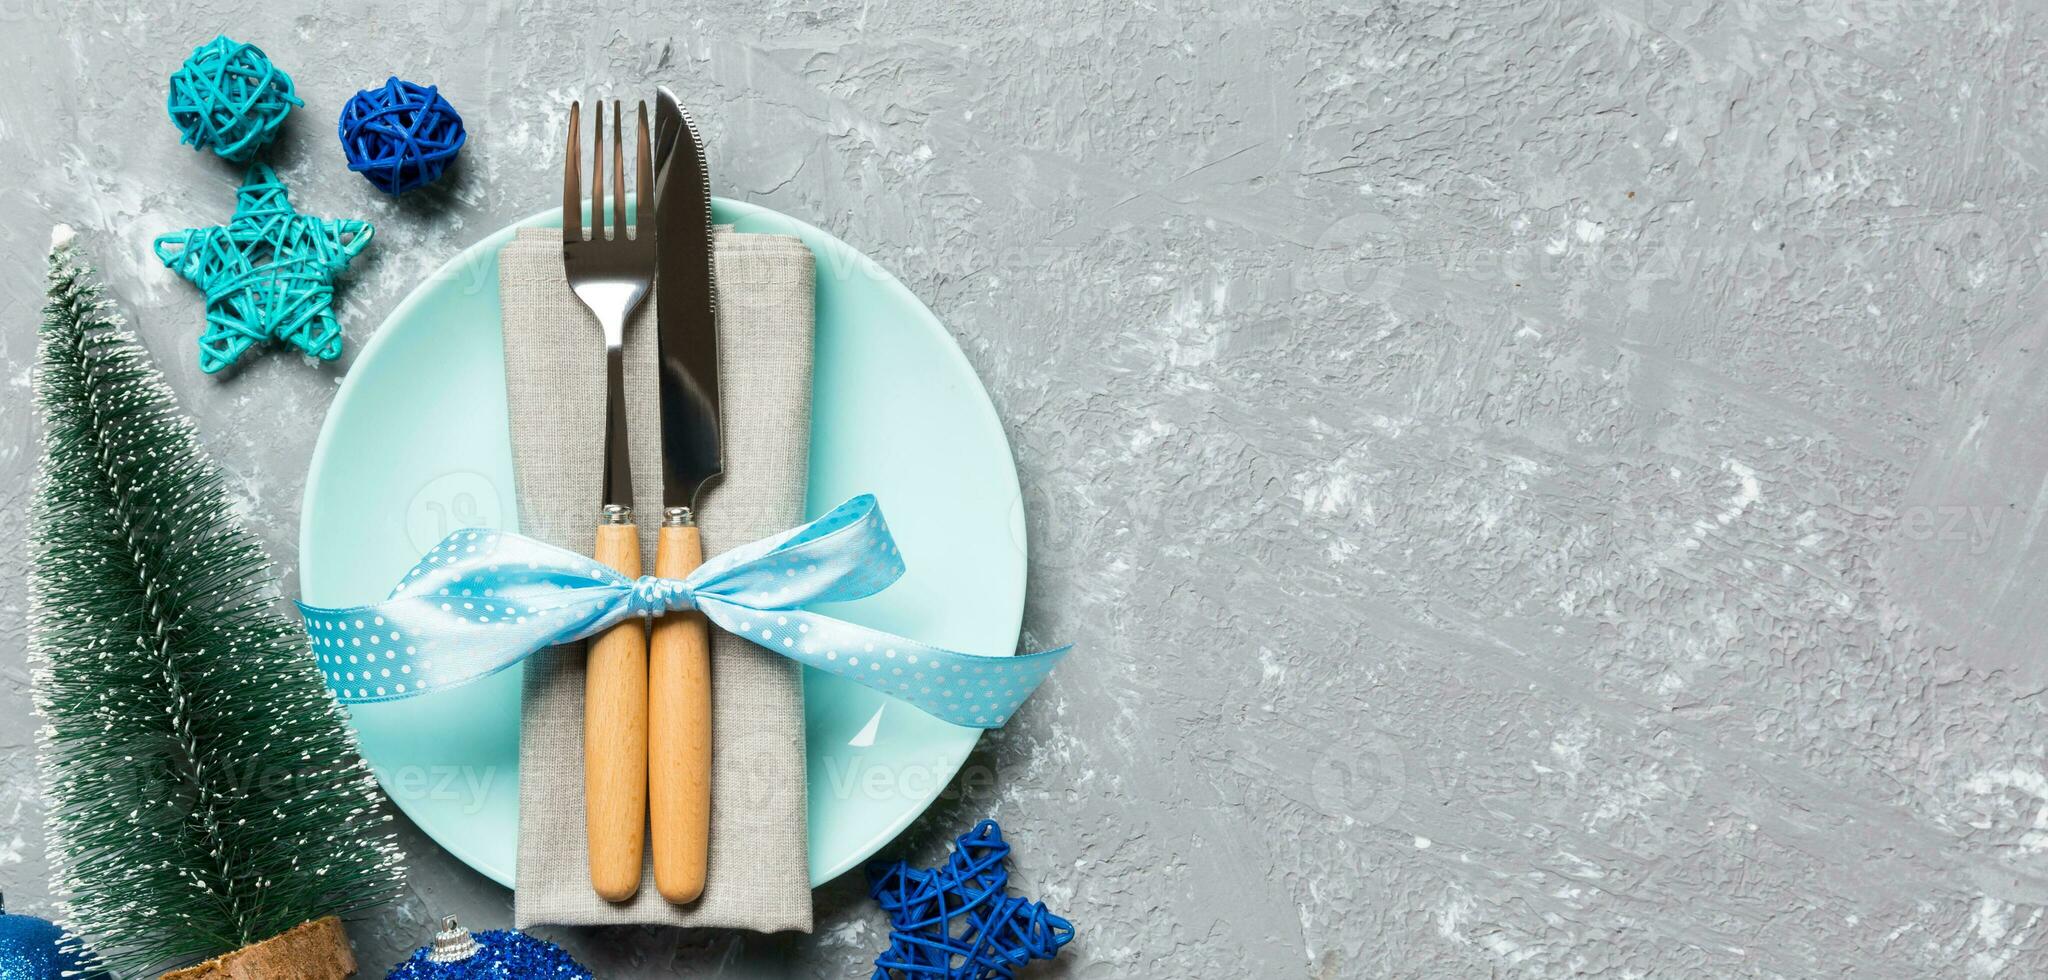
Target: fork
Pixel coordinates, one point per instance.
(611, 275)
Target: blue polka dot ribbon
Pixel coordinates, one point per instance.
(483, 600)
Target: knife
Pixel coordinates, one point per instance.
(679, 651)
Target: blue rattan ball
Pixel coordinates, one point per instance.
(400, 136)
(228, 98)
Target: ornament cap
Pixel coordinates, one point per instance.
(453, 943)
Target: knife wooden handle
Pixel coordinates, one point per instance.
(679, 731)
(615, 736)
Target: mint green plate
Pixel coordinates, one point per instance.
(416, 445)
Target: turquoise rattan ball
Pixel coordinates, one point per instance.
(229, 98)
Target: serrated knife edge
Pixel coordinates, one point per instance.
(686, 308)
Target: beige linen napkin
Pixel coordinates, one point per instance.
(759, 875)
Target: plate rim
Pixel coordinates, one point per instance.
(485, 249)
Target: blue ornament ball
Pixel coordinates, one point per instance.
(34, 949)
(227, 97)
(401, 136)
(497, 954)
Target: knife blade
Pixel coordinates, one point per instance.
(679, 649)
(686, 309)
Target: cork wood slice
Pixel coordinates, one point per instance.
(897, 411)
(316, 950)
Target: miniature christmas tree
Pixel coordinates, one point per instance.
(204, 793)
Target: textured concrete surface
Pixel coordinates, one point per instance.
(1543, 489)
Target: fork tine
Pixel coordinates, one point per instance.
(597, 175)
(643, 180)
(572, 181)
(618, 173)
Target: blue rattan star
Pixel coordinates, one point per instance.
(958, 922)
(268, 274)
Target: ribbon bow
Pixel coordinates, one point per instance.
(483, 600)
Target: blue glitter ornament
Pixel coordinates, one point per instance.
(494, 955)
(401, 136)
(958, 921)
(34, 949)
(227, 97)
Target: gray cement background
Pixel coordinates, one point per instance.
(1541, 488)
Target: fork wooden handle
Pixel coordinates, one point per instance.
(615, 736)
(679, 730)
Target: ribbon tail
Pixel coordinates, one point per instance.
(403, 647)
(965, 689)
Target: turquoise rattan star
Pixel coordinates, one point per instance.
(268, 274)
